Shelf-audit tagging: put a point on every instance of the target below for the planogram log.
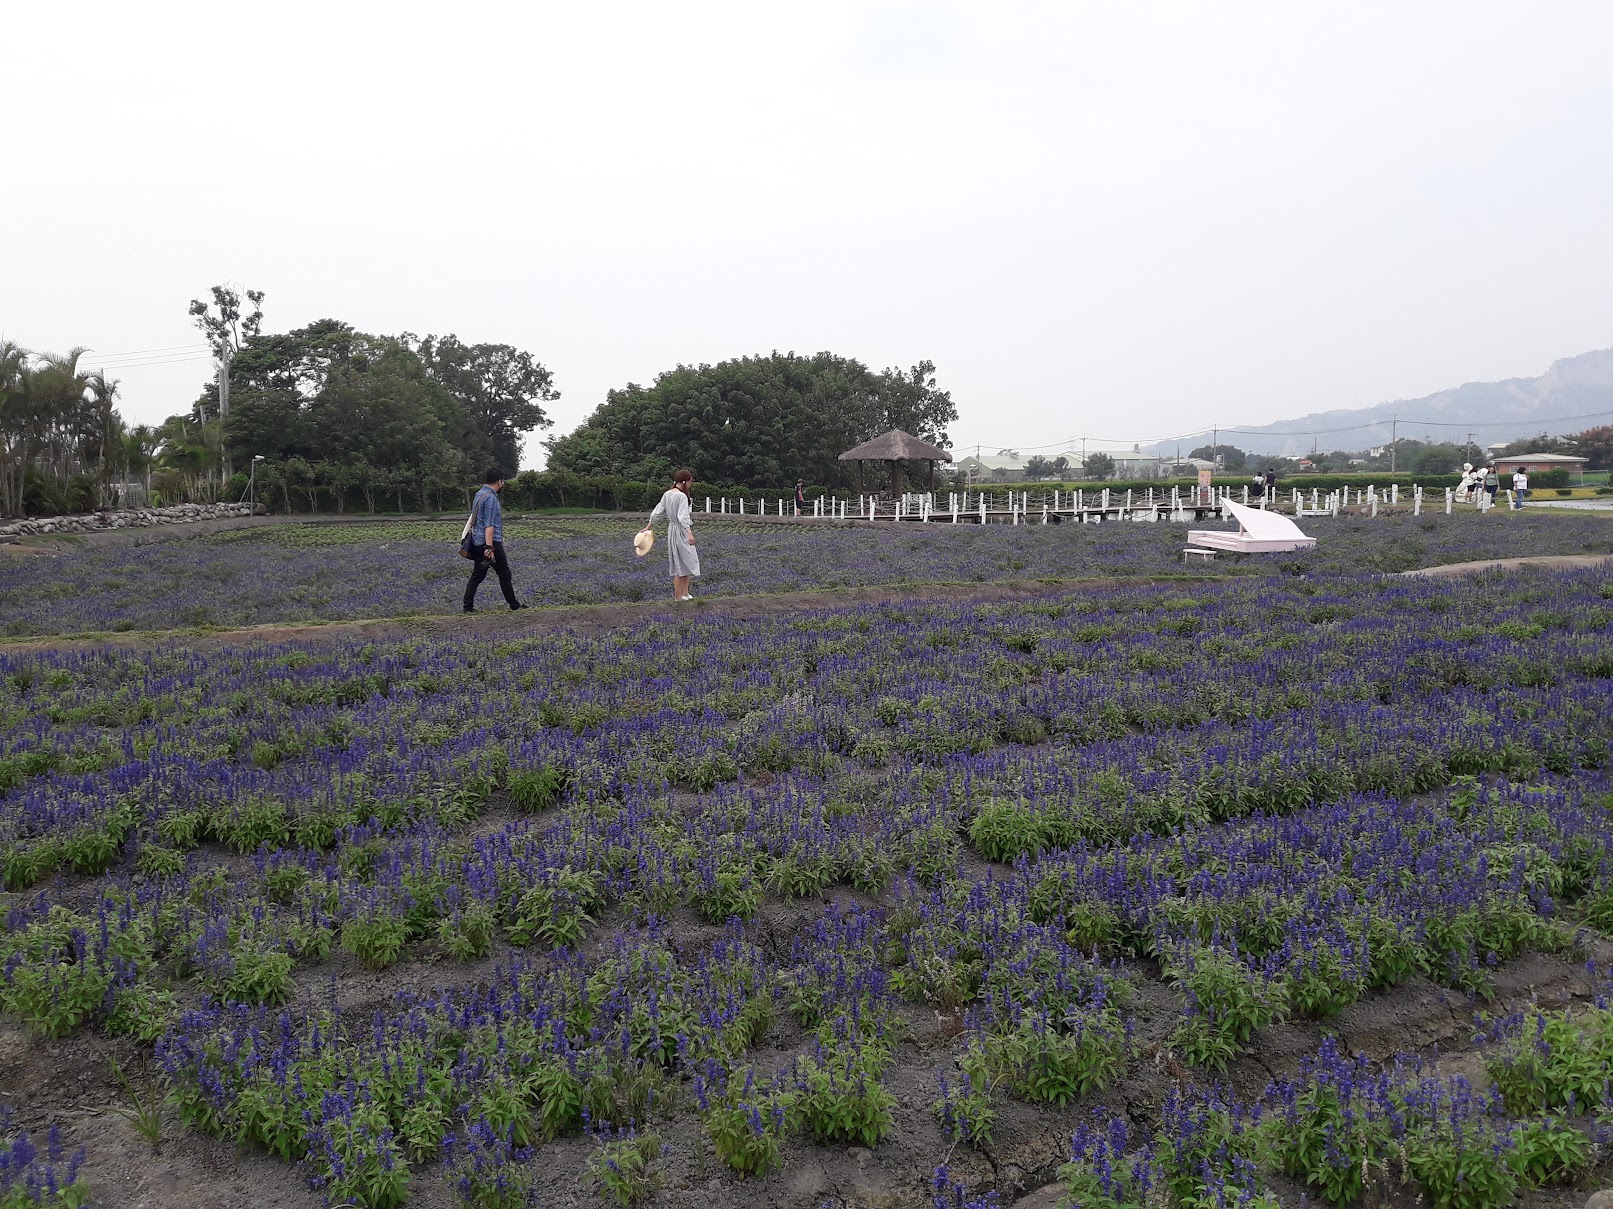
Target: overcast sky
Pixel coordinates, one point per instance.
(1124, 219)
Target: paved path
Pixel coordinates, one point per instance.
(1548, 562)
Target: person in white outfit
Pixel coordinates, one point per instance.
(1520, 486)
(683, 560)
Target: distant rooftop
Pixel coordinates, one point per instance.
(1547, 459)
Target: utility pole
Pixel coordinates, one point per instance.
(1394, 438)
(1469, 447)
(1215, 445)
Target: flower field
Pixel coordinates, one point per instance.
(304, 572)
(912, 905)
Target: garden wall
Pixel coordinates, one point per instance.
(93, 522)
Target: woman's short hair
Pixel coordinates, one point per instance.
(683, 476)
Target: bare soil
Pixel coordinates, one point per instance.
(72, 1082)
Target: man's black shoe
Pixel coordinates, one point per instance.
(467, 609)
(514, 607)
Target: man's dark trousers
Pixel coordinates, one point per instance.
(501, 567)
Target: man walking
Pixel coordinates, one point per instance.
(800, 497)
(487, 525)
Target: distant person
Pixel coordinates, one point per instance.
(1492, 483)
(800, 497)
(1520, 486)
(1257, 489)
(1271, 485)
(487, 527)
(683, 560)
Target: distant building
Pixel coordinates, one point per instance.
(1139, 466)
(1006, 468)
(1542, 461)
(992, 468)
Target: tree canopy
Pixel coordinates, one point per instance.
(1098, 466)
(61, 437)
(334, 409)
(1040, 467)
(1595, 444)
(1230, 457)
(756, 420)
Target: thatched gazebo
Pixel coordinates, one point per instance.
(896, 448)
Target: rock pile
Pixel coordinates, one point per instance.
(92, 522)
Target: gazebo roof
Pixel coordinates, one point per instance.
(896, 445)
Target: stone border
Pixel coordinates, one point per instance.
(95, 522)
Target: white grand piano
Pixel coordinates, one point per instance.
(1259, 532)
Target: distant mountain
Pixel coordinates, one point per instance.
(1492, 411)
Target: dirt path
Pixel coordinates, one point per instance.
(541, 620)
(605, 616)
(1548, 562)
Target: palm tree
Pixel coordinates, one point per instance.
(13, 408)
(140, 445)
(102, 444)
(60, 432)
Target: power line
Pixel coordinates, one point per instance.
(145, 364)
(147, 352)
(158, 360)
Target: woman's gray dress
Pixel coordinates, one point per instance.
(682, 558)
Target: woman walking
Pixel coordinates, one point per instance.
(683, 560)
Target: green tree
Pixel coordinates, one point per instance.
(1595, 444)
(1539, 443)
(59, 432)
(1229, 457)
(1432, 459)
(501, 388)
(754, 420)
(1098, 466)
(349, 415)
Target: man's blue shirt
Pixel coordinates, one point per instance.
(487, 512)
